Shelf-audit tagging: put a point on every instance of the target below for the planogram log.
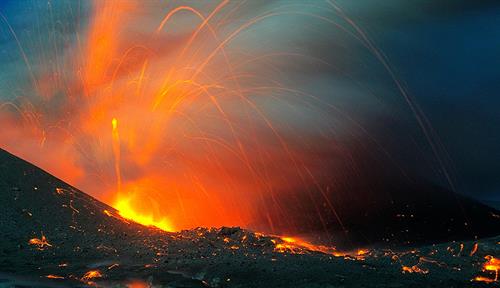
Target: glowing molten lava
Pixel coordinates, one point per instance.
(123, 205)
(206, 128)
(124, 202)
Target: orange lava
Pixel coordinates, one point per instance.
(126, 210)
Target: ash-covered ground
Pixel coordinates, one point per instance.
(56, 236)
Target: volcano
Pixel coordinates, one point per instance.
(54, 235)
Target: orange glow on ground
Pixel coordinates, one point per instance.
(51, 276)
(300, 246)
(483, 279)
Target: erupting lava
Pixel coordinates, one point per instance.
(194, 141)
(123, 202)
(128, 212)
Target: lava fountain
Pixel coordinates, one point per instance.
(205, 124)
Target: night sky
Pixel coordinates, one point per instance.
(447, 54)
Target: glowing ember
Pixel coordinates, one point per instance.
(492, 265)
(474, 249)
(414, 269)
(41, 243)
(92, 274)
(138, 284)
(51, 276)
(299, 246)
(483, 279)
(361, 254)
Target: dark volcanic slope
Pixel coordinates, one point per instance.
(378, 204)
(34, 203)
(80, 237)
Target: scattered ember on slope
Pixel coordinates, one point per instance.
(474, 249)
(51, 276)
(219, 243)
(92, 274)
(110, 214)
(296, 245)
(414, 269)
(137, 284)
(362, 253)
(299, 246)
(126, 211)
(483, 279)
(113, 266)
(40, 243)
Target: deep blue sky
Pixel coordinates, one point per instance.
(449, 58)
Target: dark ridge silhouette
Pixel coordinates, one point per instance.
(34, 203)
(377, 203)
